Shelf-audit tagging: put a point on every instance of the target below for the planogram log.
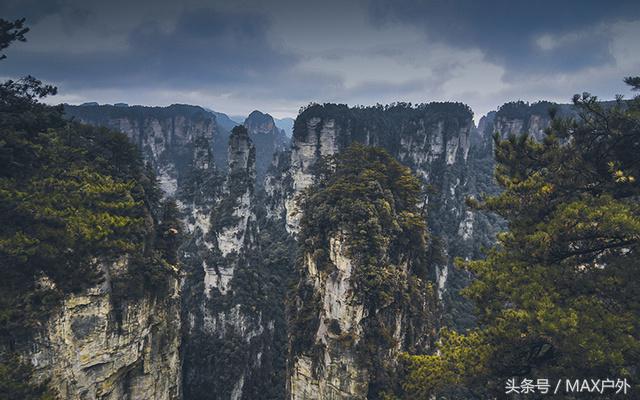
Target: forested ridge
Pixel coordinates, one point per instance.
(72, 197)
(557, 296)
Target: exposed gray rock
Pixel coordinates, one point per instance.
(86, 353)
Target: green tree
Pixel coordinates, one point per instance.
(71, 197)
(366, 195)
(15, 376)
(374, 198)
(559, 294)
(11, 31)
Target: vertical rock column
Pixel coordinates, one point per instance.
(362, 294)
(226, 340)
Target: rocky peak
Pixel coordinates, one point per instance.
(235, 341)
(434, 140)
(518, 117)
(429, 138)
(267, 138)
(84, 353)
(202, 155)
(348, 316)
(236, 332)
(242, 152)
(258, 122)
(483, 133)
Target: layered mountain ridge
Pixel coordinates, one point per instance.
(240, 197)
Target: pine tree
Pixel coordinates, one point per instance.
(559, 295)
(71, 196)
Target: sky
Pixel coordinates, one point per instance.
(277, 56)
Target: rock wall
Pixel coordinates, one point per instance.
(232, 299)
(435, 140)
(318, 140)
(238, 250)
(518, 117)
(92, 349)
(165, 135)
(362, 294)
(425, 139)
(337, 374)
(230, 311)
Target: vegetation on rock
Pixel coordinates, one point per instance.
(557, 297)
(368, 199)
(72, 198)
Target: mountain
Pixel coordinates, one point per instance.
(166, 135)
(236, 264)
(161, 130)
(224, 121)
(243, 226)
(268, 139)
(434, 140)
(90, 289)
(228, 294)
(294, 273)
(351, 315)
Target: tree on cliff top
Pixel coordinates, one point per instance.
(71, 196)
(369, 195)
(559, 295)
(370, 202)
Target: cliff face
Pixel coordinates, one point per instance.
(165, 135)
(344, 356)
(234, 306)
(215, 316)
(363, 295)
(235, 224)
(238, 254)
(233, 291)
(91, 348)
(316, 139)
(441, 145)
(91, 308)
(518, 117)
(427, 139)
(182, 144)
(434, 140)
(335, 374)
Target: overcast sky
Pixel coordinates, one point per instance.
(276, 56)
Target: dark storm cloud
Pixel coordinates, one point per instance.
(237, 56)
(34, 10)
(202, 48)
(207, 44)
(385, 90)
(509, 32)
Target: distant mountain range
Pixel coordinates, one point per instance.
(155, 127)
(224, 120)
(227, 122)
